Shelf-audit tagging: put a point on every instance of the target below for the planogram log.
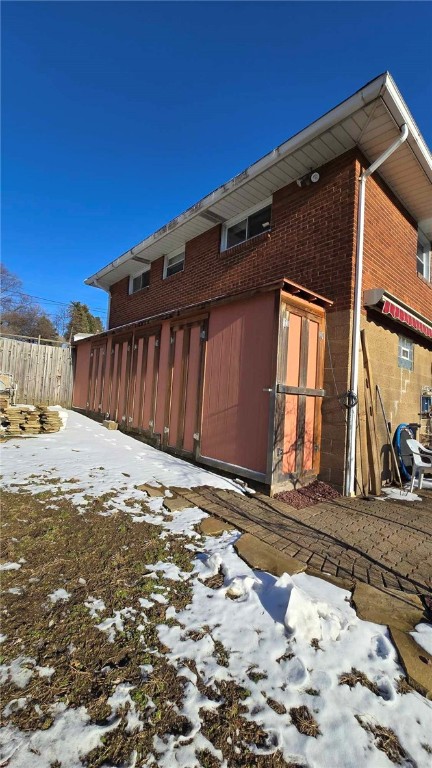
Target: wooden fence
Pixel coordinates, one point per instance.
(42, 372)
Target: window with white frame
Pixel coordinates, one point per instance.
(174, 262)
(423, 257)
(247, 225)
(405, 353)
(140, 281)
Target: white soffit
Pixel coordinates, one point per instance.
(370, 119)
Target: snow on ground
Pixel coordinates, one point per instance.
(99, 459)
(423, 636)
(400, 494)
(286, 640)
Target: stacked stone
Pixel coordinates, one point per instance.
(4, 402)
(20, 420)
(50, 420)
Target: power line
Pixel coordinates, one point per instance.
(52, 301)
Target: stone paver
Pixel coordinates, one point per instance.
(383, 543)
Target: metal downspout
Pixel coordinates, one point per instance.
(349, 489)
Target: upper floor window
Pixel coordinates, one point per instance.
(249, 224)
(174, 262)
(423, 257)
(137, 282)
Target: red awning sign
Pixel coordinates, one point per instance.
(389, 308)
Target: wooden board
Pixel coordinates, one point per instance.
(369, 389)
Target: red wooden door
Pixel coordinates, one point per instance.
(184, 386)
(297, 432)
(96, 377)
(143, 381)
(119, 375)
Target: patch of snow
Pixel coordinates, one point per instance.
(59, 594)
(423, 636)
(67, 454)
(95, 606)
(14, 706)
(307, 616)
(400, 494)
(45, 671)
(122, 698)
(19, 672)
(253, 632)
(159, 598)
(10, 567)
(15, 591)
(114, 624)
(169, 570)
(68, 741)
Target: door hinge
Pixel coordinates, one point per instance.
(316, 447)
(196, 436)
(203, 335)
(156, 342)
(285, 321)
(166, 430)
(321, 335)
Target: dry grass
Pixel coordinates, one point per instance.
(355, 676)
(106, 557)
(230, 731)
(403, 686)
(304, 721)
(279, 708)
(216, 581)
(387, 741)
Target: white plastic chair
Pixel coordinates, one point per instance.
(421, 462)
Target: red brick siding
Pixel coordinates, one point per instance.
(390, 248)
(311, 242)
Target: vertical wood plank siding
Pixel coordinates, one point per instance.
(43, 373)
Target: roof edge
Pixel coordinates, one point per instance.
(367, 93)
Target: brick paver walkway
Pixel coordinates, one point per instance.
(383, 543)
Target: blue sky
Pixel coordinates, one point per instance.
(117, 116)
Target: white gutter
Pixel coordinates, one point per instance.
(355, 341)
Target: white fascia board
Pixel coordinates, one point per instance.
(401, 114)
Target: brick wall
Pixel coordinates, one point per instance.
(311, 242)
(390, 248)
